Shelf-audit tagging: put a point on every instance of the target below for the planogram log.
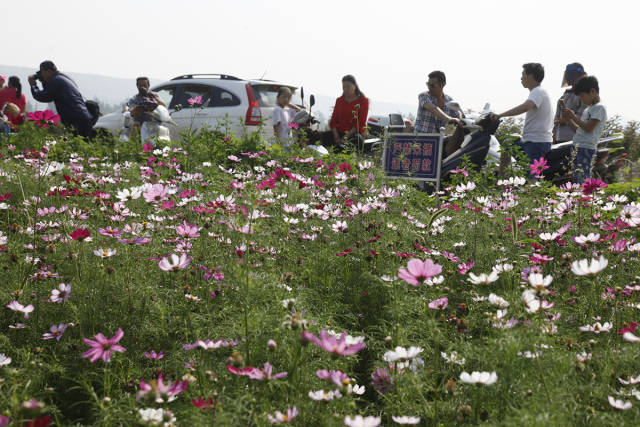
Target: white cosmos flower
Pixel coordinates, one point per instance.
(104, 253)
(322, 395)
(589, 238)
(484, 378)
(434, 280)
(531, 303)
(630, 337)
(498, 301)
(631, 215)
(339, 226)
(483, 278)
(355, 389)
(583, 357)
(360, 421)
(539, 282)
(631, 380)
(619, 404)
(502, 268)
(453, 358)
(584, 268)
(405, 420)
(469, 186)
(402, 353)
(548, 236)
(4, 360)
(596, 328)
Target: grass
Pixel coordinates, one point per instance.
(340, 280)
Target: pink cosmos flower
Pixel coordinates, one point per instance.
(196, 100)
(56, 332)
(174, 262)
(153, 355)
(279, 418)
(160, 391)
(339, 378)
(538, 166)
(293, 125)
(332, 344)
(188, 230)
(463, 171)
(16, 306)
(418, 271)
(257, 373)
(440, 303)
(102, 347)
(156, 193)
(44, 118)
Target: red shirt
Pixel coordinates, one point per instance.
(343, 118)
(9, 95)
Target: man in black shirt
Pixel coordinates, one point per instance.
(63, 92)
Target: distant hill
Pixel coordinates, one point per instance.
(114, 91)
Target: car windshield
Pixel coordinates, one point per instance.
(267, 94)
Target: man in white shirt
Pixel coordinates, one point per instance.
(536, 135)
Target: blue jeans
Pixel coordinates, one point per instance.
(582, 163)
(534, 150)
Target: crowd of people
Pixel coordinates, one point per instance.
(579, 116)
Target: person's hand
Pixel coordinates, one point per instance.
(456, 121)
(494, 117)
(135, 111)
(568, 114)
(32, 80)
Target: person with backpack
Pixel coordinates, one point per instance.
(63, 92)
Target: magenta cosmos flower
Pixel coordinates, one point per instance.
(102, 347)
(418, 271)
(538, 166)
(43, 118)
(332, 345)
(174, 262)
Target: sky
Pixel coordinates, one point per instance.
(389, 46)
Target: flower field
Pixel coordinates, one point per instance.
(165, 286)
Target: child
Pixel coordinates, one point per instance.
(282, 116)
(588, 127)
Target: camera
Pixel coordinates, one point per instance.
(38, 75)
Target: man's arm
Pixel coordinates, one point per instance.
(516, 111)
(46, 94)
(436, 111)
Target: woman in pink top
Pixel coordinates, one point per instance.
(13, 94)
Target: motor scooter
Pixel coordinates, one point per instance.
(156, 128)
(608, 160)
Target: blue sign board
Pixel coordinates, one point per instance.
(413, 156)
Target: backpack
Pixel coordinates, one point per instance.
(94, 110)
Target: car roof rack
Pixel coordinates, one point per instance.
(192, 76)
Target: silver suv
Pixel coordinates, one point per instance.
(229, 103)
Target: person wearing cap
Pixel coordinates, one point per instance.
(63, 92)
(562, 131)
